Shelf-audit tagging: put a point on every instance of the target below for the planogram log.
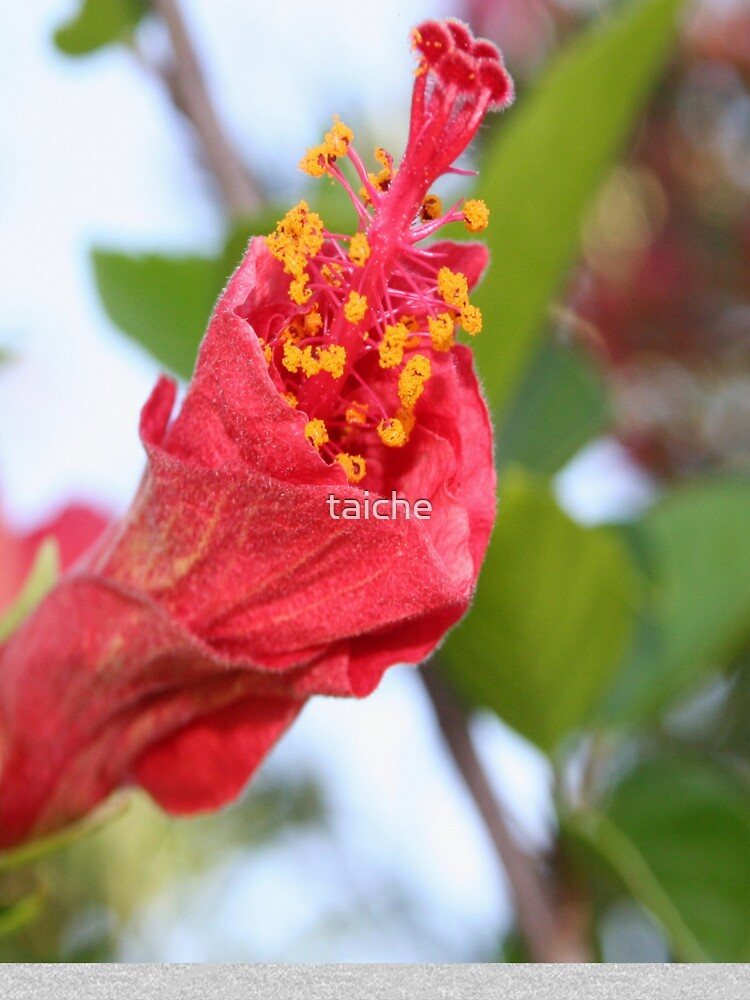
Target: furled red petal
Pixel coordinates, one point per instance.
(98, 678)
(205, 765)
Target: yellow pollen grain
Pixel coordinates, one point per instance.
(432, 207)
(313, 322)
(335, 143)
(313, 162)
(310, 365)
(441, 329)
(298, 237)
(355, 307)
(412, 380)
(338, 140)
(353, 465)
(333, 360)
(316, 433)
(357, 413)
(471, 320)
(292, 357)
(407, 419)
(359, 250)
(392, 346)
(293, 333)
(453, 287)
(291, 399)
(411, 323)
(476, 215)
(392, 433)
(298, 290)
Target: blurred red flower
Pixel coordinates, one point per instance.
(194, 633)
(75, 529)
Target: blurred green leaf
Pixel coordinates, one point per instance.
(676, 832)
(99, 23)
(697, 543)
(31, 851)
(561, 406)
(16, 915)
(163, 303)
(551, 619)
(544, 168)
(41, 578)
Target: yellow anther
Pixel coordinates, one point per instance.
(333, 360)
(313, 323)
(291, 399)
(292, 357)
(476, 214)
(383, 157)
(338, 140)
(441, 331)
(407, 419)
(355, 307)
(267, 352)
(335, 144)
(392, 433)
(298, 237)
(353, 465)
(309, 365)
(357, 413)
(293, 333)
(316, 433)
(381, 180)
(453, 287)
(391, 348)
(432, 207)
(412, 379)
(359, 249)
(471, 319)
(313, 162)
(298, 290)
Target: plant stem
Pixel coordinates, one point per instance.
(552, 915)
(187, 86)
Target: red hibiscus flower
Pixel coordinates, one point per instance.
(202, 622)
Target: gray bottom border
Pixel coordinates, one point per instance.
(374, 982)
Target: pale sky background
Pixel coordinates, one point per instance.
(91, 152)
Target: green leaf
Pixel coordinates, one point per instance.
(99, 23)
(676, 832)
(545, 166)
(163, 303)
(41, 578)
(16, 915)
(561, 406)
(551, 619)
(697, 545)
